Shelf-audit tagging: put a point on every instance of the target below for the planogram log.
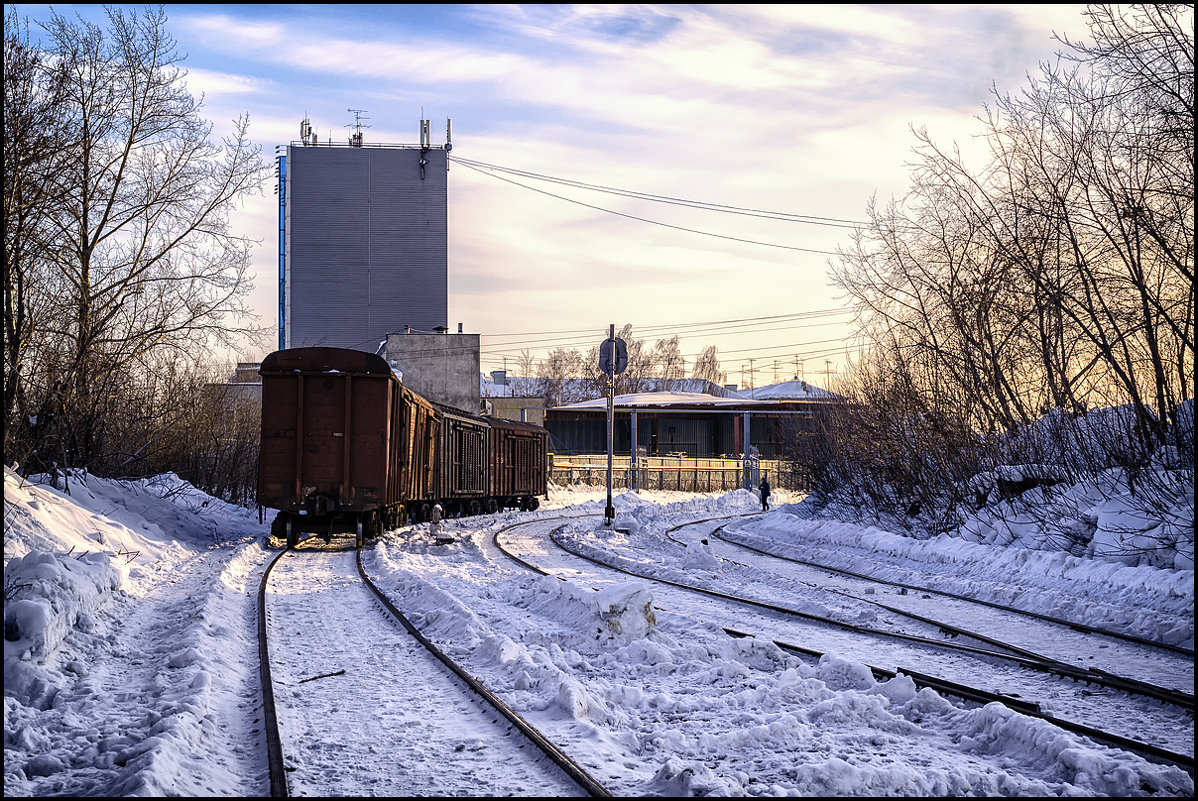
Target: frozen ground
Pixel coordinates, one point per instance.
(130, 657)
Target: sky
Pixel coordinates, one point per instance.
(130, 656)
(802, 110)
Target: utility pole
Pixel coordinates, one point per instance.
(610, 511)
(613, 360)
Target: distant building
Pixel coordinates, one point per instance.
(363, 240)
(693, 424)
(439, 367)
(241, 394)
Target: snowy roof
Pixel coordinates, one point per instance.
(661, 399)
(788, 390)
(516, 387)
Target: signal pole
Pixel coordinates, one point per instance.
(610, 512)
(613, 360)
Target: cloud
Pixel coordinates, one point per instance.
(797, 108)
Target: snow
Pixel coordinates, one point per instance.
(130, 654)
(654, 399)
(788, 390)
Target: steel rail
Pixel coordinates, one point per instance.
(941, 685)
(1083, 627)
(1016, 653)
(274, 746)
(571, 768)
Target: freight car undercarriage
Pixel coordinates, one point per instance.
(324, 519)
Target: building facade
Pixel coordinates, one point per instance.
(442, 368)
(363, 242)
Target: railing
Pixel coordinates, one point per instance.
(681, 473)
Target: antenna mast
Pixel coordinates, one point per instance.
(355, 139)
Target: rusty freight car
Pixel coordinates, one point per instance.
(519, 464)
(347, 448)
(461, 480)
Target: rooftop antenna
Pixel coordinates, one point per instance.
(426, 142)
(355, 139)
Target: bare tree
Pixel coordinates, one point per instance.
(707, 366)
(1057, 275)
(666, 359)
(33, 136)
(525, 362)
(144, 259)
(556, 372)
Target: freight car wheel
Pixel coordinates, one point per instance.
(492, 506)
(292, 534)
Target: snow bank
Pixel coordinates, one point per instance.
(148, 683)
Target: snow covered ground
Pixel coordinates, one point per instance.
(130, 656)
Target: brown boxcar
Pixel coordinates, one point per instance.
(519, 463)
(463, 458)
(345, 446)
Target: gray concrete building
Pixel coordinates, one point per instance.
(439, 367)
(363, 241)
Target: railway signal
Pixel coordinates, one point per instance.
(613, 360)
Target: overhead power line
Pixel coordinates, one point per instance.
(698, 204)
(493, 174)
(688, 330)
(590, 331)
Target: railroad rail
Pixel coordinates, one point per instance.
(275, 746)
(1082, 627)
(1021, 656)
(945, 686)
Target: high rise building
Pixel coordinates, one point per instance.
(363, 240)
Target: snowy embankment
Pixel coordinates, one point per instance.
(125, 640)
(130, 666)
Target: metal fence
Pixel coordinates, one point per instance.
(685, 474)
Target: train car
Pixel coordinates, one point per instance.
(461, 483)
(519, 470)
(346, 447)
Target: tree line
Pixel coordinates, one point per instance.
(1054, 279)
(122, 268)
(568, 375)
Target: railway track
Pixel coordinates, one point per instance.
(1020, 683)
(354, 696)
(905, 588)
(1054, 640)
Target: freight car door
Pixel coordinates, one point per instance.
(278, 485)
(323, 416)
(366, 430)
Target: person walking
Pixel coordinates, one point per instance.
(765, 494)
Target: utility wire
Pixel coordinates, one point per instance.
(515, 352)
(643, 219)
(682, 329)
(699, 204)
